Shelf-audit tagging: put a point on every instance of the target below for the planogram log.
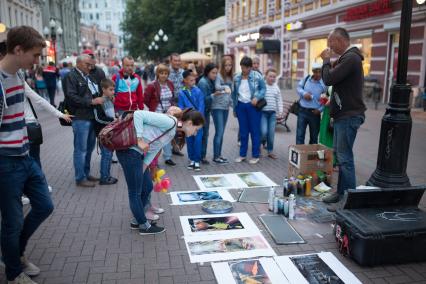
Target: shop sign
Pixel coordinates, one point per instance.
(294, 26)
(247, 37)
(380, 7)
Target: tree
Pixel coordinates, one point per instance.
(179, 19)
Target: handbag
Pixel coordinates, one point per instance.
(35, 135)
(295, 107)
(260, 104)
(62, 108)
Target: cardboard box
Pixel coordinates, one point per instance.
(307, 159)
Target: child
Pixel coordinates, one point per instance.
(104, 114)
(191, 97)
(274, 105)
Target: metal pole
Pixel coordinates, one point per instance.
(395, 132)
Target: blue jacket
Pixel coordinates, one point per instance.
(256, 84)
(195, 95)
(207, 87)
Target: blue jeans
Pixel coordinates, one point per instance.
(139, 185)
(84, 143)
(194, 145)
(20, 175)
(249, 121)
(205, 139)
(305, 118)
(35, 153)
(220, 117)
(345, 130)
(167, 151)
(267, 128)
(106, 159)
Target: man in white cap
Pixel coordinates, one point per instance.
(309, 90)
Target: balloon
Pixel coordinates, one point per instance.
(165, 183)
(157, 187)
(160, 173)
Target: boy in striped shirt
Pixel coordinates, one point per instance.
(19, 173)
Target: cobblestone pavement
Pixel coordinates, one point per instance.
(88, 240)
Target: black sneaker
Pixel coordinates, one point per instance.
(177, 153)
(220, 161)
(205, 162)
(190, 166)
(170, 162)
(152, 230)
(108, 181)
(135, 226)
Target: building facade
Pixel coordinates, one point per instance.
(65, 14)
(211, 37)
(302, 26)
(21, 12)
(373, 27)
(107, 15)
(103, 43)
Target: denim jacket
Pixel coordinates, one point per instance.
(256, 84)
(207, 87)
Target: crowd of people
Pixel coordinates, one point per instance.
(173, 106)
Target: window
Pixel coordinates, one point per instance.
(265, 6)
(256, 13)
(364, 44)
(249, 8)
(97, 16)
(277, 6)
(316, 46)
(91, 16)
(16, 17)
(108, 16)
(293, 69)
(243, 14)
(90, 6)
(96, 5)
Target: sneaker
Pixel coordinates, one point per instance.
(92, 178)
(157, 210)
(240, 159)
(177, 153)
(25, 200)
(114, 161)
(29, 268)
(49, 188)
(134, 225)
(151, 216)
(22, 279)
(224, 159)
(332, 198)
(205, 162)
(85, 183)
(108, 181)
(152, 230)
(220, 161)
(191, 165)
(239, 143)
(170, 162)
(272, 156)
(197, 167)
(254, 161)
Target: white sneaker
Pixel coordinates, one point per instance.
(22, 279)
(157, 210)
(254, 161)
(29, 268)
(240, 159)
(151, 216)
(50, 188)
(25, 200)
(197, 167)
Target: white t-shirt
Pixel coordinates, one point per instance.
(244, 92)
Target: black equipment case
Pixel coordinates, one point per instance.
(382, 226)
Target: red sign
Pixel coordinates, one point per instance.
(379, 7)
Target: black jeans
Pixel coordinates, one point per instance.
(307, 117)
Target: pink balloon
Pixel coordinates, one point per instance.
(165, 183)
(158, 187)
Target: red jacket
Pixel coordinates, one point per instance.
(128, 97)
(153, 92)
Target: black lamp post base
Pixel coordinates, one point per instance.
(383, 179)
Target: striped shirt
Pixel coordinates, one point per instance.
(274, 101)
(13, 132)
(165, 99)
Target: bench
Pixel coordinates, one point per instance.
(286, 113)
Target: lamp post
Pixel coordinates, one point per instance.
(52, 32)
(159, 36)
(391, 170)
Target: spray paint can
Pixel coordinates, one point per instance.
(280, 205)
(276, 206)
(285, 211)
(271, 198)
(285, 186)
(291, 206)
(308, 186)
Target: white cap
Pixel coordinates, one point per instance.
(316, 65)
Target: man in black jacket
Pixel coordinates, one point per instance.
(81, 96)
(346, 108)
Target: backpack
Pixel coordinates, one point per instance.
(119, 134)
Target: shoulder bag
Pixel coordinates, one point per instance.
(35, 135)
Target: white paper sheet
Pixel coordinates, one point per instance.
(235, 221)
(213, 248)
(223, 271)
(185, 198)
(295, 276)
(233, 181)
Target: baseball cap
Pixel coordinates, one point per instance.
(316, 65)
(88, 51)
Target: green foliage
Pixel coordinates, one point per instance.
(179, 19)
